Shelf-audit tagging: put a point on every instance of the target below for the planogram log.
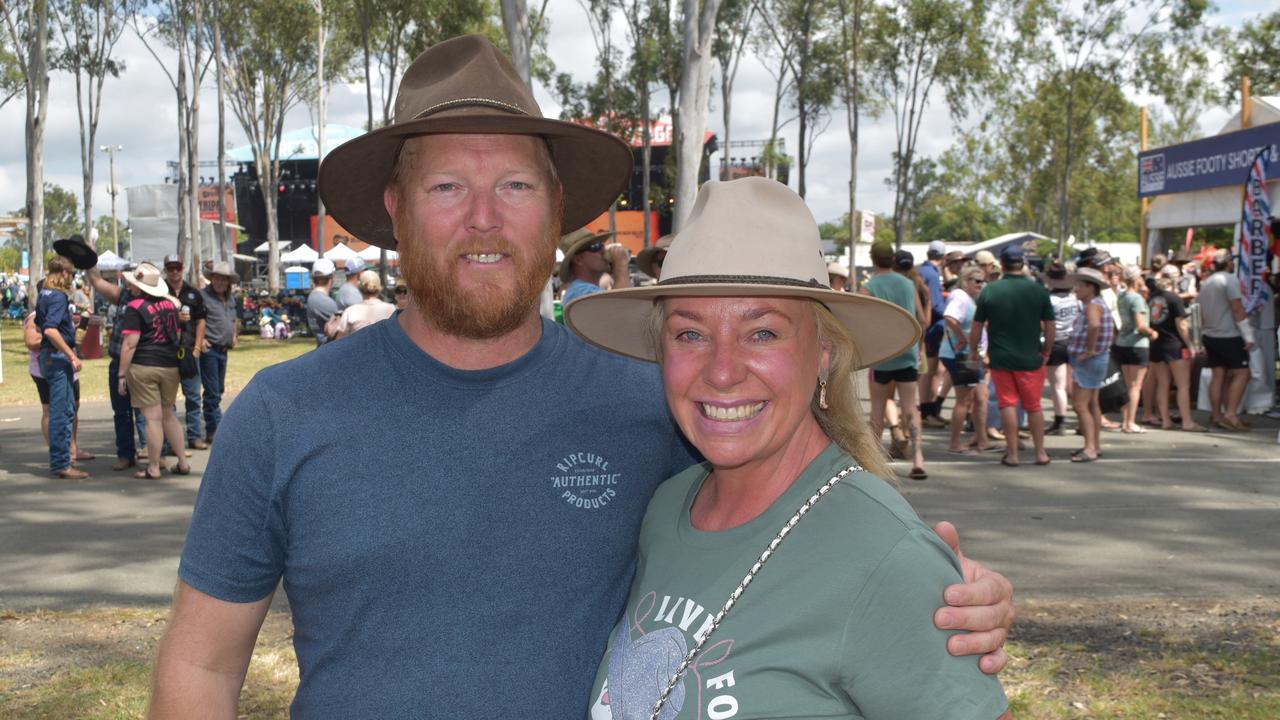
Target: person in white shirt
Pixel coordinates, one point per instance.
(369, 310)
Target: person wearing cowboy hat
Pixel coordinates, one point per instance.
(149, 364)
(649, 260)
(129, 425)
(838, 277)
(758, 359)
(220, 336)
(1090, 351)
(417, 538)
(588, 258)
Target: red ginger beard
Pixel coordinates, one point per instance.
(494, 309)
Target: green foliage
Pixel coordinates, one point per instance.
(1255, 51)
(61, 216)
(11, 82)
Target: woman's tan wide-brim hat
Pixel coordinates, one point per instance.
(1090, 275)
(748, 237)
(466, 85)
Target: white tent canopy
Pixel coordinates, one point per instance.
(339, 253)
(303, 254)
(374, 254)
(111, 261)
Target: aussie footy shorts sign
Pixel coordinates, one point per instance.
(1211, 162)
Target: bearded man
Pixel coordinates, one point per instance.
(463, 544)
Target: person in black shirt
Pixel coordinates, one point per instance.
(149, 364)
(1170, 353)
(192, 317)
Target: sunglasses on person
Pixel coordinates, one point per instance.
(596, 246)
(402, 291)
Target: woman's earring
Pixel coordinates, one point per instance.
(822, 395)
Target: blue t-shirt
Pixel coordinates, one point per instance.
(53, 310)
(933, 280)
(457, 545)
(577, 289)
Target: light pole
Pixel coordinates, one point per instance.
(111, 151)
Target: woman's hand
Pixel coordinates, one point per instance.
(982, 605)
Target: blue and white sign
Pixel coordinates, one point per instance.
(1211, 162)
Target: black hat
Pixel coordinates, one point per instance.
(77, 251)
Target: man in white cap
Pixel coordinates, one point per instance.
(220, 335)
(462, 547)
(320, 304)
(349, 293)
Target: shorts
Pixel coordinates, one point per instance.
(1131, 355)
(902, 375)
(42, 389)
(933, 339)
(150, 386)
(1091, 373)
(1225, 352)
(1013, 386)
(961, 375)
(1163, 351)
(1058, 354)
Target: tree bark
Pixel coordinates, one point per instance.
(224, 238)
(193, 147)
(37, 90)
(515, 22)
(695, 92)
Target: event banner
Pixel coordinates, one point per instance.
(1206, 163)
(1253, 246)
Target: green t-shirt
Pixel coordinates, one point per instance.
(838, 624)
(1131, 305)
(1012, 307)
(901, 292)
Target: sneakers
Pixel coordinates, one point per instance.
(197, 444)
(72, 474)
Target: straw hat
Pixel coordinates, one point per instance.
(1090, 275)
(148, 280)
(747, 237)
(466, 85)
(835, 268)
(645, 258)
(574, 242)
(223, 268)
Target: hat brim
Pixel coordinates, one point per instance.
(80, 254)
(1079, 277)
(594, 168)
(645, 258)
(157, 292)
(566, 266)
(618, 320)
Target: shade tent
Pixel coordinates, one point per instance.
(374, 254)
(110, 261)
(303, 254)
(340, 253)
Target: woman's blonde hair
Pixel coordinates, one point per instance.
(842, 419)
(59, 275)
(971, 272)
(370, 284)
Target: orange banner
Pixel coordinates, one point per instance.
(629, 224)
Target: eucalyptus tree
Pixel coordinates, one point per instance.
(1087, 48)
(734, 29)
(1254, 51)
(918, 47)
(26, 25)
(775, 52)
(269, 53)
(699, 29)
(851, 18)
(90, 30)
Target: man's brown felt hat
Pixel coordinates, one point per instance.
(466, 85)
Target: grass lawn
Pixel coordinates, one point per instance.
(251, 355)
(1145, 659)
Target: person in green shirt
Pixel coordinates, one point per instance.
(1016, 312)
(1133, 343)
(758, 358)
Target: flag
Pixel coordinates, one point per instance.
(1252, 247)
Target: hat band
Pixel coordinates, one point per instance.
(447, 104)
(743, 280)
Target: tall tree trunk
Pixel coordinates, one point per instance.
(365, 20)
(224, 238)
(1064, 197)
(646, 158)
(37, 91)
(184, 224)
(695, 92)
(852, 100)
(771, 166)
(322, 99)
(193, 147)
(515, 22)
(726, 111)
(86, 156)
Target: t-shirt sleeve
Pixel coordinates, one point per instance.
(235, 549)
(955, 308)
(895, 662)
(1233, 290)
(132, 323)
(55, 310)
(1176, 308)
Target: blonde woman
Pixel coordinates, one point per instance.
(59, 364)
(1132, 348)
(369, 310)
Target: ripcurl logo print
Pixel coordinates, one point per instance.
(586, 480)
